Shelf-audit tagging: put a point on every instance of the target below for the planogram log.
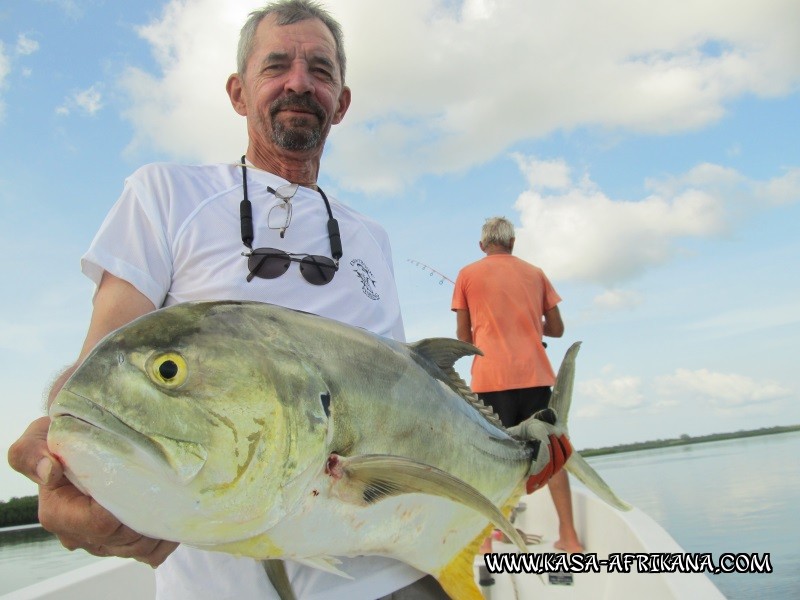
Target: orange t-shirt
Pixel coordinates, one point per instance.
(506, 298)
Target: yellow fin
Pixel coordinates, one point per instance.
(458, 577)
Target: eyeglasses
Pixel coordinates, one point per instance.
(269, 263)
(282, 211)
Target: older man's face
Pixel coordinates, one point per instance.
(292, 89)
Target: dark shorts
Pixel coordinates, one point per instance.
(514, 406)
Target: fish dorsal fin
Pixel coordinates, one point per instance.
(444, 352)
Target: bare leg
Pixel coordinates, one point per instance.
(567, 536)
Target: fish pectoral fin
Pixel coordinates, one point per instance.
(380, 476)
(276, 573)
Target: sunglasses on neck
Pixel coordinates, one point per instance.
(270, 263)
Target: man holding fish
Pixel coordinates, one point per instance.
(179, 234)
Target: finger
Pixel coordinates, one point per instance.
(30, 456)
(66, 511)
(80, 522)
(146, 550)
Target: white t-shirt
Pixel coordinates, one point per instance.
(175, 234)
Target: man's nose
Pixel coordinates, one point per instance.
(299, 79)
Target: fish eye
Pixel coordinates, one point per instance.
(168, 370)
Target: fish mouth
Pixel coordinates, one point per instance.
(76, 412)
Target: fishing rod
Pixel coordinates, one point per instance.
(432, 271)
(442, 277)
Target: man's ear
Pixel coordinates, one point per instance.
(236, 94)
(343, 105)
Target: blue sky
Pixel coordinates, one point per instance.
(647, 152)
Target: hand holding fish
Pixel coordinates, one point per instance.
(76, 519)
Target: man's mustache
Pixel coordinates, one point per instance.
(298, 102)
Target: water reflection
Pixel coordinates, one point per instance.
(30, 555)
(732, 496)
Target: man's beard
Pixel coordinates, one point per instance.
(297, 134)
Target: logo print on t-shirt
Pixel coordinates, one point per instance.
(366, 277)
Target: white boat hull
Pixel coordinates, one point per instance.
(603, 530)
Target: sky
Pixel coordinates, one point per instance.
(647, 153)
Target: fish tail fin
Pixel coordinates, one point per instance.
(561, 399)
(584, 472)
(547, 434)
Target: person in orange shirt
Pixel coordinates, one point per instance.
(504, 306)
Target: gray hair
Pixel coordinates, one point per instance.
(498, 231)
(288, 12)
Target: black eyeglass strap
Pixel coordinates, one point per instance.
(246, 217)
(333, 229)
(246, 211)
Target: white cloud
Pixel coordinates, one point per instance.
(489, 74)
(599, 396)
(580, 233)
(88, 101)
(184, 110)
(725, 392)
(26, 45)
(700, 390)
(575, 231)
(618, 299)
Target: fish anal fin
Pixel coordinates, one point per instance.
(260, 546)
(457, 578)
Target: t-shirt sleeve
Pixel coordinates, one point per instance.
(459, 301)
(132, 244)
(551, 297)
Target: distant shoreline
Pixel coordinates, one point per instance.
(685, 440)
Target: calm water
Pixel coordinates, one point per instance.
(734, 496)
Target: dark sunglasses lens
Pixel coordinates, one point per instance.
(317, 270)
(269, 263)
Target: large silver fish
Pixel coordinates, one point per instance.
(271, 433)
